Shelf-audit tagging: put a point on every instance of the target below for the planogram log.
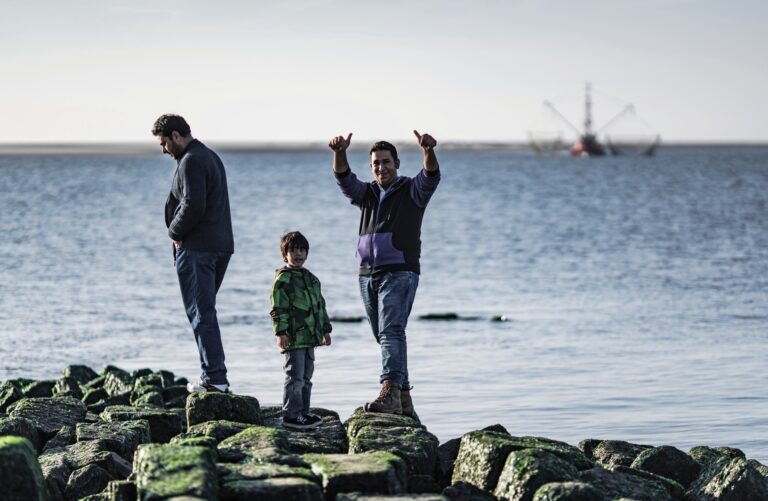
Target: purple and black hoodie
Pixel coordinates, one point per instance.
(390, 229)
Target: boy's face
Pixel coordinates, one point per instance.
(296, 257)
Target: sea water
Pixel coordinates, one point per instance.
(634, 289)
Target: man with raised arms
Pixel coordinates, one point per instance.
(388, 251)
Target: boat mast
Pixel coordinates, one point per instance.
(588, 110)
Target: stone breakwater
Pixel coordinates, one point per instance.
(121, 436)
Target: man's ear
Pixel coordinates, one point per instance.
(397, 163)
(175, 136)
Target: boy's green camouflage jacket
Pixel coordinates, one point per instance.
(298, 308)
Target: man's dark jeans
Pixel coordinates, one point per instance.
(200, 276)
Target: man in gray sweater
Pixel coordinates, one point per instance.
(199, 224)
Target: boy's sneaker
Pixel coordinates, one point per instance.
(299, 423)
(203, 387)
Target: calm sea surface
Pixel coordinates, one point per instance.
(635, 288)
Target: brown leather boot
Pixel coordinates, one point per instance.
(406, 403)
(388, 400)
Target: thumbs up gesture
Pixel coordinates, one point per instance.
(339, 143)
(426, 141)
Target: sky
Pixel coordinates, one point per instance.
(304, 71)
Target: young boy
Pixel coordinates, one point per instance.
(300, 323)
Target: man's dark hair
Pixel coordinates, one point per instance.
(293, 240)
(166, 124)
(384, 146)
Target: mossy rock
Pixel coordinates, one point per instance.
(446, 457)
(121, 490)
(211, 406)
(50, 414)
(482, 455)
(462, 491)
(164, 471)
(150, 379)
(271, 489)
(22, 427)
(64, 437)
(371, 472)
(123, 437)
(705, 456)
(39, 389)
(173, 392)
(328, 438)
(164, 424)
(86, 481)
(729, 479)
(93, 395)
(617, 452)
(260, 471)
(81, 373)
(9, 394)
(149, 399)
(101, 405)
(256, 442)
(217, 430)
(568, 491)
(360, 418)
(117, 383)
(198, 441)
(675, 490)
(416, 446)
(68, 386)
(20, 472)
(137, 373)
(617, 485)
(357, 496)
(527, 470)
(588, 445)
(668, 462)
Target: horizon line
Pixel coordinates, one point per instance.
(137, 147)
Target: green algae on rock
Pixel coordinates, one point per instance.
(372, 472)
(729, 479)
(20, 472)
(568, 491)
(255, 442)
(527, 470)
(617, 484)
(22, 427)
(482, 455)
(164, 424)
(271, 489)
(668, 462)
(49, 414)
(613, 452)
(164, 471)
(123, 437)
(218, 430)
(202, 407)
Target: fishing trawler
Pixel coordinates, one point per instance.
(642, 140)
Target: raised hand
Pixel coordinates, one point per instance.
(426, 141)
(338, 143)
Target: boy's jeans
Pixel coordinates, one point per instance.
(200, 276)
(299, 366)
(388, 298)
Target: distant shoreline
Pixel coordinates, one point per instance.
(10, 149)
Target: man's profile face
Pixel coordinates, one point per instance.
(169, 145)
(384, 167)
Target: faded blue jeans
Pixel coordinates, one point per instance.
(200, 276)
(388, 298)
(297, 392)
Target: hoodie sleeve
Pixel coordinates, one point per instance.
(351, 187)
(423, 187)
(281, 305)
